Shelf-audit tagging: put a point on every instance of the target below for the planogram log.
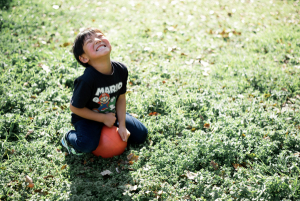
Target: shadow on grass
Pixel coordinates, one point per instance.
(90, 183)
(5, 4)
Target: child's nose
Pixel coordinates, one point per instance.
(97, 40)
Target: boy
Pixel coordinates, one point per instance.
(99, 96)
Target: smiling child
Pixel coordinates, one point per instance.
(99, 96)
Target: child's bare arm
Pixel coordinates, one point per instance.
(121, 112)
(108, 119)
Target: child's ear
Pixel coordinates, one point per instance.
(83, 59)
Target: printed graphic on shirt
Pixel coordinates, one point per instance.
(106, 103)
(109, 90)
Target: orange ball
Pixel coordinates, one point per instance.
(110, 143)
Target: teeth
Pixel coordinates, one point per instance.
(100, 47)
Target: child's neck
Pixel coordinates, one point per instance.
(102, 65)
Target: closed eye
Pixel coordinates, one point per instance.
(88, 41)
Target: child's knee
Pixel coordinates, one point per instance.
(87, 145)
(141, 137)
(144, 135)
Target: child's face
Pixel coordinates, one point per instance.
(95, 46)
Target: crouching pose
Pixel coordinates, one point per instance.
(99, 96)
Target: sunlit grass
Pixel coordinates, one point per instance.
(215, 82)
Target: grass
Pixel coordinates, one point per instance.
(215, 82)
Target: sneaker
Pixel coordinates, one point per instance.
(68, 146)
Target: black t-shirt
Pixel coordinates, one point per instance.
(99, 92)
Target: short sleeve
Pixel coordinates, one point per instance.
(81, 94)
(125, 75)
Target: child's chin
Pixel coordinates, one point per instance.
(103, 52)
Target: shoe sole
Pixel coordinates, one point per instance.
(70, 150)
(64, 144)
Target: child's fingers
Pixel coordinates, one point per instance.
(127, 135)
(112, 113)
(124, 134)
(124, 137)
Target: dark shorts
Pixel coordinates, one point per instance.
(85, 138)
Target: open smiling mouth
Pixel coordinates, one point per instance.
(100, 47)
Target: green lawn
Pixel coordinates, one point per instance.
(215, 82)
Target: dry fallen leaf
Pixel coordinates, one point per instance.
(153, 113)
(122, 162)
(29, 132)
(297, 154)
(131, 188)
(130, 162)
(135, 158)
(66, 44)
(130, 156)
(206, 125)
(38, 190)
(105, 172)
(183, 54)
(215, 165)
(236, 166)
(191, 175)
(117, 169)
(28, 179)
(49, 176)
(64, 166)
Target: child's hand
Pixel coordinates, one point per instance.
(110, 119)
(124, 133)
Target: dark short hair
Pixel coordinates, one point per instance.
(77, 48)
